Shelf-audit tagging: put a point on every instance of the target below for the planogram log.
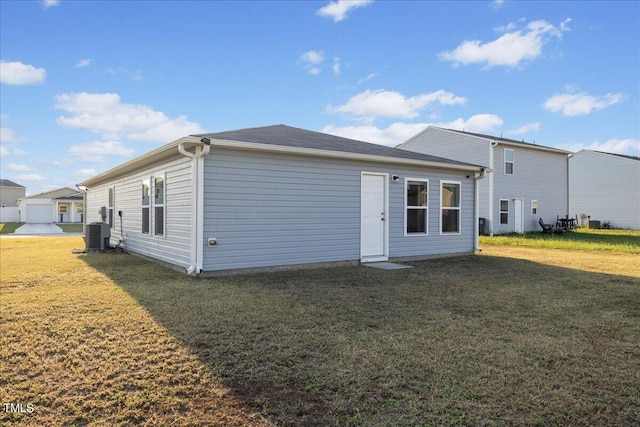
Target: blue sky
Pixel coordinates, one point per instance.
(87, 85)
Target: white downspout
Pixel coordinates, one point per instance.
(478, 177)
(491, 166)
(197, 209)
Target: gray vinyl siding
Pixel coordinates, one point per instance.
(605, 187)
(537, 175)
(268, 209)
(175, 246)
(456, 146)
(450, 145)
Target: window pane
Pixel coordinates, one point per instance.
(159, 217)
(504, 218)
(145, 220)
(450, 221)
(145, 194)
(159, 188)
(416, 193)
(451, 195)
(508, 168)
(416, 220)
(508, 155)
(504, 205)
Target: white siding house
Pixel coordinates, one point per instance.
(64, 205)
(277, 195)
(605, 187)
(527, 182)
(10, 193)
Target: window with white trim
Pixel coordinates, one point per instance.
(112, 202)
(450, 207)
(508, 161)
(146, 202)
(504, 211)
(534, 207)
(416, 192)
(158, 205)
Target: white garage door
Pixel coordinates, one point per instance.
(39, 214)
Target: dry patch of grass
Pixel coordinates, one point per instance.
(506, 338)
(82, 351)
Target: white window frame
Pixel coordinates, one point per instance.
(458, 208)
(146, 182)
(111, 203)
(534, 208)
(500, 211)
(512, 162)
(407, 207)
(162, 205)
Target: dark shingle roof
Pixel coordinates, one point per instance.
(505, 140)
(624, 156)
(9, 183)
(282, 135)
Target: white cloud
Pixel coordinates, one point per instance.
(134, 75)
(17, 73)
(30, 177)
(336, 66)
(337, 10)
(509, 50)
(528, 127)
(382, 103)
(367, 78)
(83, 63)
(311, 60)
(312, 57)
(9, 139)
(575, 104)
(480, 123)
(105, 114)
(17, 167)
(8, 136)
(98, 151)
(50, 3)
(391, 136)
(497, 4)
(629, 146)
(85, 173)
(399, 132)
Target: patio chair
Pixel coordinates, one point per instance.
(546, 228)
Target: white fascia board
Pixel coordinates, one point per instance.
(146, 159)
(337, 154)
(533, 147)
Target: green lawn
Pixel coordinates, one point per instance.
(514, 336)
(9, 227)
(627, 241)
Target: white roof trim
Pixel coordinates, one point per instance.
(171, 149)
(490, 139)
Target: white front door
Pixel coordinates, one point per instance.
(373, 217)
(518, 216)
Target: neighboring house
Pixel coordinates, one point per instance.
(278, 195)
(606, 187)
(64, 205)
(528, 182)
(10, 192)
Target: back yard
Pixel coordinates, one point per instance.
(513, 336)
